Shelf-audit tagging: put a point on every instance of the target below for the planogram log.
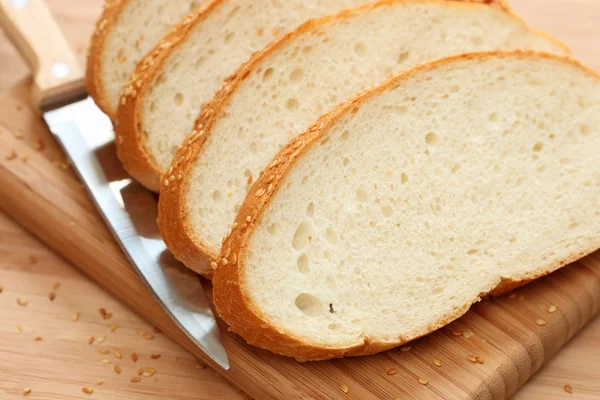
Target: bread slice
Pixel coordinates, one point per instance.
(189, 65)
(281, 91)
(125, 32)
(404, 206)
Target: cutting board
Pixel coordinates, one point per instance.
(38, 190)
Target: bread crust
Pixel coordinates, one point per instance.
(93, 76)
(231, 295)
(173, 222)
(136, 157)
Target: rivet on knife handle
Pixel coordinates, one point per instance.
(58, 79)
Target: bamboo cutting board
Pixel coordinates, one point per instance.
(503, 333)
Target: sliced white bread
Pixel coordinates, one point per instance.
(189, 65)
(125, 32)
(282, 90)
(404, 206)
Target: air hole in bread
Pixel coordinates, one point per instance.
(310, 211)
(268, 73)
(309, 304)
(346, 161)
(217, 196)
(297, 75)
(273, 228)
(403, 178)
(387, 211)
(360, 49)
(303, 236)
(303, 264)
(432, 139)
(584, 129)
(178, 99)
(345, 135)
(361, 195)
(199, 61)
(229, 37)
(538, 147)
(403, 57)
(292, 105)
(334, 326)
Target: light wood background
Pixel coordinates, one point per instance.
(33, 363)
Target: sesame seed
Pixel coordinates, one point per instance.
(140, 371)
(20, 328)
(26, 390)
(148, 336)
(155, 356)
(234, 259)
(228, 252)
(345, 388)
(106, 361)
(101, 339)
(118, 354)
(405, 349)
(87, 390)
(12, 155)
(104, 314)
(248, 218)
(99, 381)
(135, 379)
(260, 192)
(117, 368)
(235, 225)
(456, 333)
(437, 363)
(51, 296)
(39, 338)
(113, 327)
(91, 340)
(568, 389)
(75, 316)
(22, 302)
(213, 265)
(134, 357)
(149, 372)
(480, 360)
(392, 371)
(423, 381)
(103, 351)
(200, 365)
(473, 359)
(540, 322)
(552, 309)
(224, 261)
(512, 296)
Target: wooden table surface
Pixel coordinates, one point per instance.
(29, 271)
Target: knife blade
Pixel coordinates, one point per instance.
(87, 137)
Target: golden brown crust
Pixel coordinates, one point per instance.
(93, 76)
(137, 160)
(174, 226)
(231, 295)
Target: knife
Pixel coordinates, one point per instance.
(87, 137)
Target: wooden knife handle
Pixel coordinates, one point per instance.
(58, 79)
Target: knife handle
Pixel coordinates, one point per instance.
(57, 77)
